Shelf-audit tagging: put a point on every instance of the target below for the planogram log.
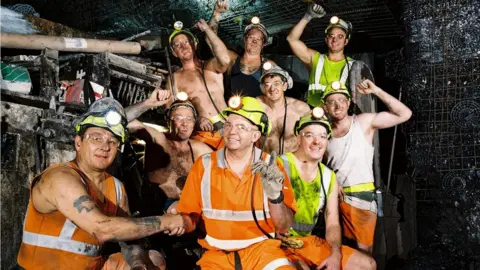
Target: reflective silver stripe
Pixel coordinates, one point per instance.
(53, 242)
(316, 87)
(205, 186)
(302, 227)
(234, 244)
(361, 204)
(68, 229)
(319, 68)
(221, 163)
(344, 76)
(276, 263)
(118, 190)
(258, 155)
(234, 215)
(228, 215)
(327, 175)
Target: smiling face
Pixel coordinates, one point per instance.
(97, 148)
(182, 123)
(336, 105)
(182, 47)
(254, 41)
(312, 141)
(274, 87)
(239, 133)
(336, 39)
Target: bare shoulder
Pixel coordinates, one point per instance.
(298, 106)
(365, 120)
(62, 175)
(233, 55)
(262, 100)
(57, 182)
(267, 108)
(200, 148)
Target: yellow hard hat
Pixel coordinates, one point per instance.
(336, 88)
(106, 113)
(344, 25)
(316, 116)
(251, 109)
(178, 30)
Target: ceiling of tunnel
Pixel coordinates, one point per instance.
(376, 23)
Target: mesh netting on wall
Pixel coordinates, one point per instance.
(440, 71)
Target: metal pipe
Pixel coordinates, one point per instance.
(137, 35)
(393, 148)
(170, 74)
(40, 42)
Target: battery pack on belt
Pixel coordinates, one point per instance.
(368, 196)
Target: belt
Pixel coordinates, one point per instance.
(218, 125)
(368, 196)
(216, 118)
(360, 188)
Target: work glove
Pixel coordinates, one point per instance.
(314, 11)
(271, 177)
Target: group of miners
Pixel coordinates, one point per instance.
(253, 210)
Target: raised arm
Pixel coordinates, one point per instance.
(221, 6)
(65, 191)
(221, 60)
(333, 233)
(397, 111)
(146, 133)
(299, 48)
(158, 97)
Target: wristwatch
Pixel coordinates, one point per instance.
(277, 200)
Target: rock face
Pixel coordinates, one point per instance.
(20, 146)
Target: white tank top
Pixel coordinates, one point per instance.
(351, 157)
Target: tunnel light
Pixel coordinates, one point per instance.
(255, 20)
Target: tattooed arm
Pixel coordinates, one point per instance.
(221, 6)
(397, 111)
(67, 193)
(158, 97)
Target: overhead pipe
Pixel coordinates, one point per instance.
(40, 42)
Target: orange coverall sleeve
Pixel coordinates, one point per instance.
(289, 198)
(191, 200)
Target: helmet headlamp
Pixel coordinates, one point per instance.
(235, 102)
(182, 96)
